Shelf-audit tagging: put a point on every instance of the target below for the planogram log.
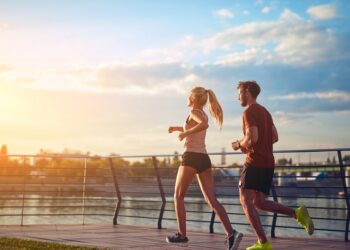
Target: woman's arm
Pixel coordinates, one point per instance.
(202, 124)
(173, 129)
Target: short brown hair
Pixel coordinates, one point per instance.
(251, 86)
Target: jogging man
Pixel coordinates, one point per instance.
(256, 177)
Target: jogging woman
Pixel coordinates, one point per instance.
(196, 162)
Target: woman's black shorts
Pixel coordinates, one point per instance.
(256, 178)
(199, 161)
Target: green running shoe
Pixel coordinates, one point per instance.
(261, 246)
(304, 219)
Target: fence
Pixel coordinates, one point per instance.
(84, 189)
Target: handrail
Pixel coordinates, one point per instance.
(70, 156)
(119, 176)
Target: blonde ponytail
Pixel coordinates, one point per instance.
(215, 108)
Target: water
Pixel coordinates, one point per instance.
(202, 212)
(44, 210)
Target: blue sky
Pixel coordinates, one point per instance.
(111, 76)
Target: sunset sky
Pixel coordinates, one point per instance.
(111, 76)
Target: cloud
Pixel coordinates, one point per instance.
(282, 117)
(266, 10)
(311, 102)
(153, 78)
(334, 96)
(4, 68)
(224, 13)
(322, 12)
(289, 40)
(248, 56)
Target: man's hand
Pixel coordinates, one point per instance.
(236, 145)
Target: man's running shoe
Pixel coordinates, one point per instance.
(176, 238)
(233, 241)
(261, 246)
(304, 219)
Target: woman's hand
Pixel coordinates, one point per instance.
(171, 129)
(182, 135)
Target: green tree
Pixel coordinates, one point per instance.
(3, 150)
(282, 162)
(346, 158)
(176, 160)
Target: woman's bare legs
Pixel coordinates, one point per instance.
(206, 183)
(184, 179)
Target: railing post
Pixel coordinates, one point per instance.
(161, 191)
(212, 220)
(346, 193)
(84, 189)
(117, 207)
(23, 192)
(274, 219)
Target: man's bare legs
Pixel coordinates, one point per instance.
(252, 200)
(261, 203)
(247, 197)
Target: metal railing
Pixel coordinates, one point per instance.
(93, 188)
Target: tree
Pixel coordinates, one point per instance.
(3, 155)
(333, 160)
(282, 162)
(346, 158)
(176, 159)
(3, 150)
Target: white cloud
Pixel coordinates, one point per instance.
(290, 40)
(335, 96)
(281, 117)
(323, 12)
(266, 10)
(248, 56)
(254, 33)
(142, 76)
(225, 13)
(246, 12)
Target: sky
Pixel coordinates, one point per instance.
(111, 76)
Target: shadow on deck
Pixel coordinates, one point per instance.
(132, 237)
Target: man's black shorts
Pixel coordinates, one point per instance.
(256, 178)
(199, 161)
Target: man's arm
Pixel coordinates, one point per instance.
(250, 138)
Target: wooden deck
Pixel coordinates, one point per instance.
(132, 237)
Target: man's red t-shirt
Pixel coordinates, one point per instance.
(260, 155)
